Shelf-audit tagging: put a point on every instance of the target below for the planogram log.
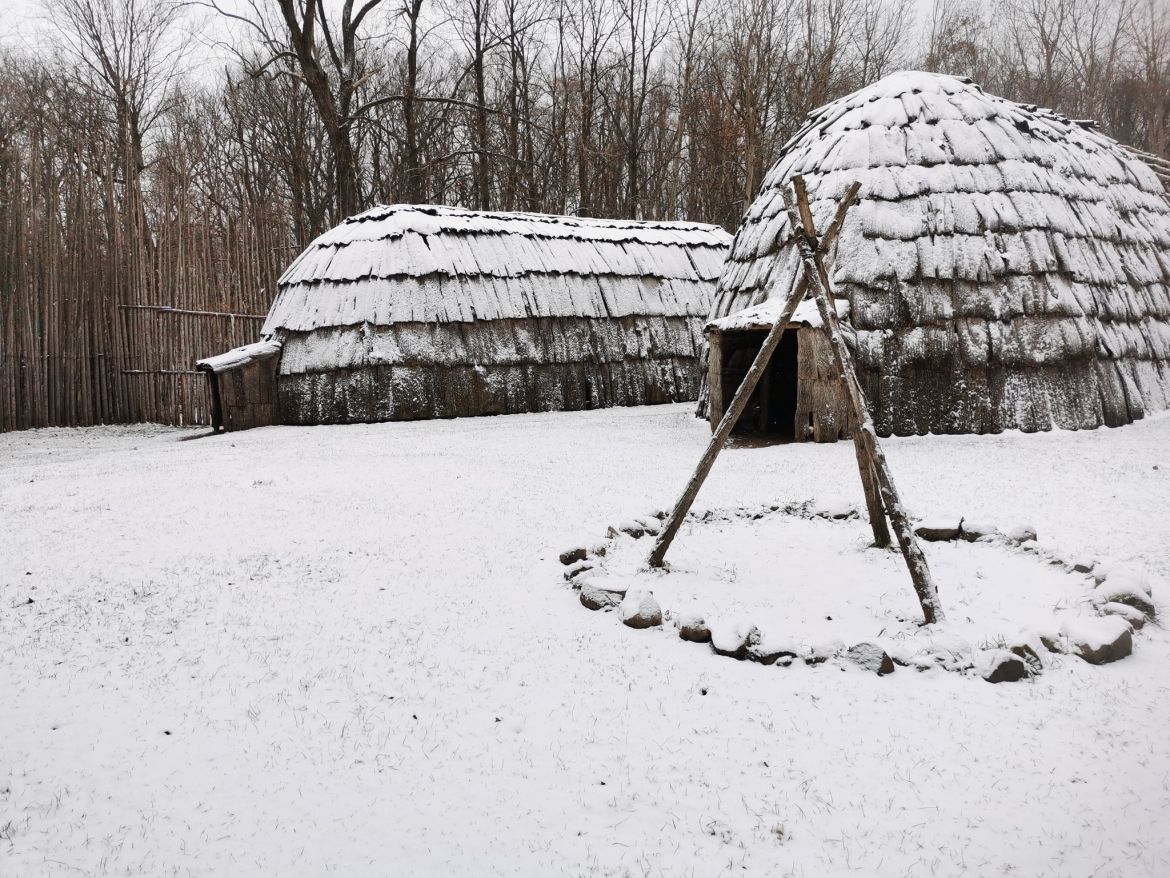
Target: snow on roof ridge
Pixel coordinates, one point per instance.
(384, 211)
(421, 240)
(439, 263)
(916, 82)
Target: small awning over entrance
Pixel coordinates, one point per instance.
(243, 386)
(764, 316)
(799, 397)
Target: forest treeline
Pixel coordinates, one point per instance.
(148, 202)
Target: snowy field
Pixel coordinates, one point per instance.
(349, 650)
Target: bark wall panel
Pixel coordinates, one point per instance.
(489, 367)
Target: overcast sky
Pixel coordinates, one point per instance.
(14, 20)
(22, 26)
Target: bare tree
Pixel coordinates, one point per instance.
(880, 36)
(411, 11)
(474, 24)
(1142, 96)
(326, 57)
(520, 21)
(955, 35)
(645, 26)
(590, 25)
(125, 54)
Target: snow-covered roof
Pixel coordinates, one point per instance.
(1158, 165)
(960, 184)
(427, 263)
(240, 356)
(971, 206)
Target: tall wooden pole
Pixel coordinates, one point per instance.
(801, 218)
(742, 394)
(869, 482)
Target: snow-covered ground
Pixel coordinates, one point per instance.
(349, 650)
(807, 584)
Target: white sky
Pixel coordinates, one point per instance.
(23, 26)
(16, 21)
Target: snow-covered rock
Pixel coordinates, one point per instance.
(693, 627)
(573, 555)
(870, 657)
(1100, 640)
(822, 650)
(639, 609)
(1134, 577)
(576, 569)
(1127, 588)
(1029, 647)
(937, 529)
(838, 511)
(650, 524)
(976, 530)
(1054, 641)
(731, 637)
(632, 528)
(595, 598)
(767, 648)
(1001, 666)
(921, 661)
(614, 585)
(905, 654)
(1135, 617)
(1022, 533)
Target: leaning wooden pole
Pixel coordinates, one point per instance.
(801, 218)
(740, 400)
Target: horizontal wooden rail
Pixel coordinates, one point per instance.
(161, 372)
(167, 309)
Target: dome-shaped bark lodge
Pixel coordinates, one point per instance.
(423, 311)
(1004, 268)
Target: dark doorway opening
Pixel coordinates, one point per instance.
(771, 409)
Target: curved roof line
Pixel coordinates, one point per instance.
(437, 263)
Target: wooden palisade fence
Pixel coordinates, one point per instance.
(102, 317)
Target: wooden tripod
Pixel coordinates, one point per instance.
(881, 497)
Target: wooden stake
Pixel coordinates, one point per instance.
(815, 276)
(740, 400)
(869, 483)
